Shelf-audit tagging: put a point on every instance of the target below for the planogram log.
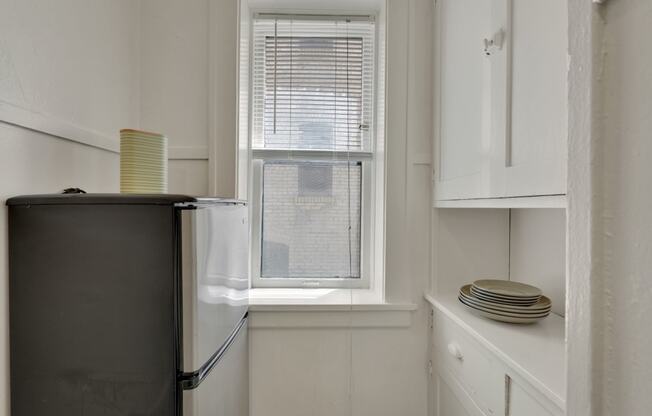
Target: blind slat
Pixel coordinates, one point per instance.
(313, 84)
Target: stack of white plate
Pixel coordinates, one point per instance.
(143, 162)
(506, 301)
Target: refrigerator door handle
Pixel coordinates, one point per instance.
(191, 380)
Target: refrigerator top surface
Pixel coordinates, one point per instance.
(116, 199)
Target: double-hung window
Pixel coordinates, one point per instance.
(312, 141)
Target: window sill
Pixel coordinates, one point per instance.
(303, 299)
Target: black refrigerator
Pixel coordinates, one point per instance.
(128, 305)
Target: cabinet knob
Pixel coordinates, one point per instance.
(496, 42)
(455, 351)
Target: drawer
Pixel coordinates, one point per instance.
(473, 366)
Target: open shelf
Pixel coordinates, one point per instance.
(545, 201)
(536, 352)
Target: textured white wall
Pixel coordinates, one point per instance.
(71, 61)
(582, 325)
(174, 86)
(610, 209)
(174, 71)
(188, 89)
(624, 229)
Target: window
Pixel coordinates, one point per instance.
(313, 150)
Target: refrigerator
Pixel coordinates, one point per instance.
(128, 305)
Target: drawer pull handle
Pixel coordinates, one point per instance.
(455, 351)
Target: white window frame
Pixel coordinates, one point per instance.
(372, 185)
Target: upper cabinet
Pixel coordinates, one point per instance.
(501, 98)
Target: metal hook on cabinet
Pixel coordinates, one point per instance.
(496, 42)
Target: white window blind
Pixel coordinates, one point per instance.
(313, 83)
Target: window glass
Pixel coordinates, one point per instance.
(311, 219)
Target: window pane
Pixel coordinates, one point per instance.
(311, 219)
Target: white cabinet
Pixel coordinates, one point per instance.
(471, 365)
(471, 377)
(463, 93)
(448, 403)
(537, 103)
(521, 403)
(501, 104)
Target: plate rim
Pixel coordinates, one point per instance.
(533, 289)
(489, 293)
(503, 318)
(544, 300)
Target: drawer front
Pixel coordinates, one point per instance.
(474, 367)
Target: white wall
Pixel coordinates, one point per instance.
(610, 209)
(68, 67)
(337, 363)
(188, 89)
(537, 245)
(174, 71)
(364, 362)
(623, 229)
(468, 244)
(174, 86)
(69, 73)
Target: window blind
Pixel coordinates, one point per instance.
(313, 83)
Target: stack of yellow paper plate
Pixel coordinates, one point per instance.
(143, 162)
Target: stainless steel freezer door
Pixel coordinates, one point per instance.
(215, 281)
(224, 391)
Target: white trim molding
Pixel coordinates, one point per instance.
(65, 130)
(583, 308)
(33, 120)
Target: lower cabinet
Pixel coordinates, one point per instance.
(462, 360)
(522, 403)
(469, 380)
(448, 403)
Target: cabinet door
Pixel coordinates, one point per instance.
(536, 134)
(522, 403)
(448, 403)
(463, 110)
(469, 110)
